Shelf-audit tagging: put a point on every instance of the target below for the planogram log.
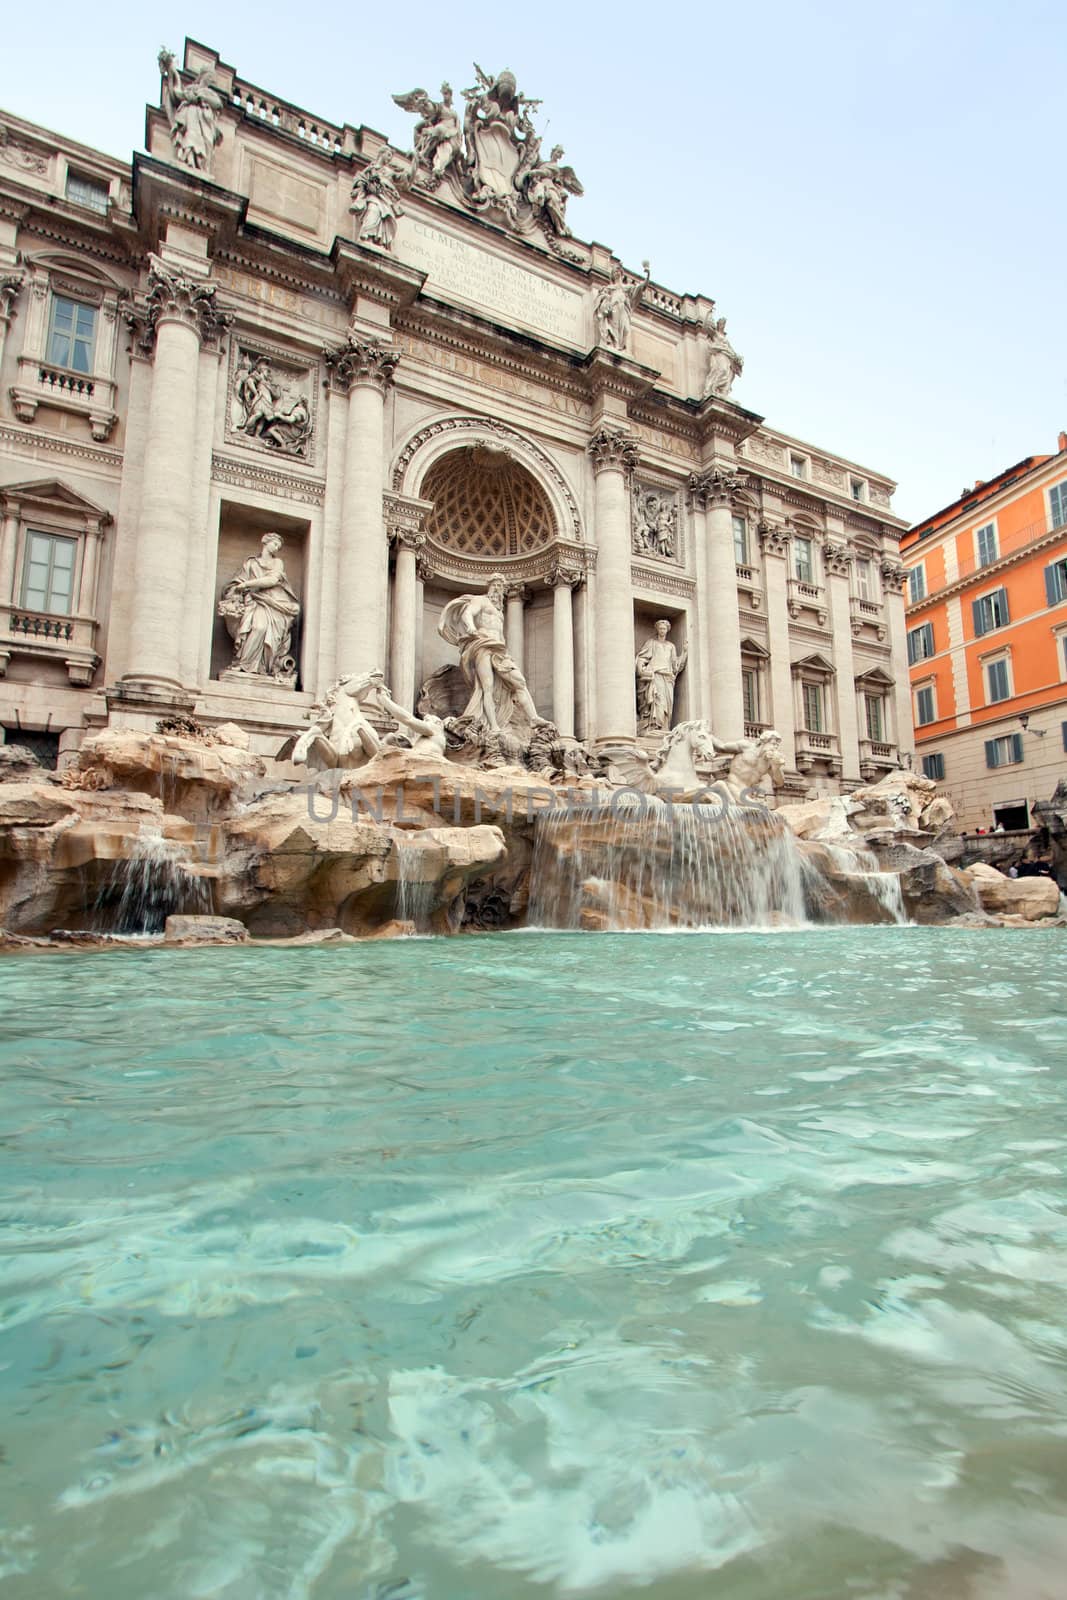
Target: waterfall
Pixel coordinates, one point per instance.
(641, 862)
(860, 867)
(154, 882)
(414, 894)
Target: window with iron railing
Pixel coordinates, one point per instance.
(71, 334)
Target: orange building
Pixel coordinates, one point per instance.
(987, 642)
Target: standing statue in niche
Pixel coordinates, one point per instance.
(658, 665)
(615, 305)
(192, 111)
(474, 623)
(438, 134)
(724, 363)
(260, 610)
(376, 201)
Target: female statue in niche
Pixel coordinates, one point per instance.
(376, 201)
(259, 610)
(658, 665)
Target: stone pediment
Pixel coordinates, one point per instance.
(52, 494)
(752, 647)
(815, 665)
(874, 678)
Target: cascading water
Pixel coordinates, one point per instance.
(155, 882)
(861, 867)
(641, 862)
(414, 894)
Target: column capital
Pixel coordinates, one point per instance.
(715, 486)
(173, 296)
(404, 538)
(358, 361)
(837, 558)
(774, 538)
(517, 591)
(894, 576)
(613, 449)
(10, 287)
(563, 575)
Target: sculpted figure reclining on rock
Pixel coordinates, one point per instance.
(342, 735)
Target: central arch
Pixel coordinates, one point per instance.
(486, 504)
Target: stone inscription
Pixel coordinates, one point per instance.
(509, 293)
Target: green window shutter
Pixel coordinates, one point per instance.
(978, 617)
(991, 753)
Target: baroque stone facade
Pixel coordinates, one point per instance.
(276, 395)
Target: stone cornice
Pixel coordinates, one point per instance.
(33, 440)
(359, 361)
(245, 475)
(610, 372)
(982, 574)
(516, 353)
(724, 418)
(405, 519)
(661, 580)
(363, 271)
(165, 193)
(613, 449)
(517, 570)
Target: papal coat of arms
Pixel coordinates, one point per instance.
(493, 158)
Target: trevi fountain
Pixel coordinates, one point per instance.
(487, 1112)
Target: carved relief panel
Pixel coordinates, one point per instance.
(654, 522)
(272, 401)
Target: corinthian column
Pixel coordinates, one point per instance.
(774, 542)
(407, 615)
(893, 579)
(364, 368)
(177, 313)
(713, 490)
(562, 581)
(614, 456)
(514, 628)
(837, 561)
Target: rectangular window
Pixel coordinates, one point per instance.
(48, 573)
(750, 694)
(803, 565)
(925, 711)
(858, 488)
(1057, 502)
(1007, 751)
(813, 707)
(996, 678)
(934, 766)
(1056, 581)
(917, 584)
(87, 192)
(920, 642)
(875, 718)
(864, 579)
(740, 541)
(798, 466)
(985, 544)
(71, 334)
(990, 612)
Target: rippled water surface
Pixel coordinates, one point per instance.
(532, 1265)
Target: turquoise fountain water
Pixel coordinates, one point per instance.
(535, 1265)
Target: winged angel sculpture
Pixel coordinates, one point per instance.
(494, 155)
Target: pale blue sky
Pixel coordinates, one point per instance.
(873, 193)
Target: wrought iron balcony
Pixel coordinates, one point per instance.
(48, 636)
